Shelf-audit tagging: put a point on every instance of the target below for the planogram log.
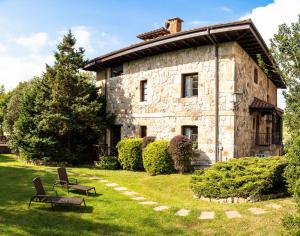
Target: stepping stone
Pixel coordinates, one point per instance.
(148, 203)
(233, 214)
(274, 206)
(121, 188)
(95, 178)
(104, 181)
(138, 198)
(161, 208)
(257, 211)
(111, 184)
(130, 193)
(183, 212)
(207, 215)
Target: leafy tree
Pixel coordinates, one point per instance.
(3, 103)
(62, 114)
(285, 48)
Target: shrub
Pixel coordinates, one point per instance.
(181, 149)
(156, 158)
(147, 140)
(242, 177)
(292, 175)
(107, 163)
(130, 153)
(292, 171)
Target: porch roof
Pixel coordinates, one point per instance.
(261, 106)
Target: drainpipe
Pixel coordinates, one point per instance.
(216, 46)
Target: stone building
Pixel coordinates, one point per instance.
(204, 83)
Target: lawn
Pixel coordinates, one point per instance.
(113, 213)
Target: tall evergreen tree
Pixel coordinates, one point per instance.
(285, 48)
(62, 114)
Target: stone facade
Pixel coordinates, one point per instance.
(165, 111)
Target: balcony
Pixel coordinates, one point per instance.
(267, 139)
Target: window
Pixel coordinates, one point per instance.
(117, 70)
(143, 90)
(253, 123)
(191, 132)
(143, 131)
(189, 85)
(255, 76)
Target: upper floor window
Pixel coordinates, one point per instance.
(255, 76)
(189, 85)
(143, 131)
(191, 132)
(144, 90)
(117, 70)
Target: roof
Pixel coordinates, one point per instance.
(243, 32)
(259, 105)
(153, 34)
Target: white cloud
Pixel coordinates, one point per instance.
(226, 9)
(23, 57)
(267, 18)
(33, 42)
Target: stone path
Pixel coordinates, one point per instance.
(130, 193)
(138, 198)
(204, 215)
(232, 214)
(161, 208)
(120, 188)
(274, 206)
(148, 203)
(183, 212)
(207, 215)
(111, 184)
(257, 211)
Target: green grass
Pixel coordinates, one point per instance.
(112, 213)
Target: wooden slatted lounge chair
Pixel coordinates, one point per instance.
(69, 183)
(42, 197)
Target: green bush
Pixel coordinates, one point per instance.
(181, 149)
(157, 159)
(242, 177)
(292, 171)
(107, 163)
(130, 153)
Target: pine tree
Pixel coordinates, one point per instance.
(62, 114)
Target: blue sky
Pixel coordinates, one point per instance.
(31, 29)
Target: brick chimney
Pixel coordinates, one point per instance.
(174, 25)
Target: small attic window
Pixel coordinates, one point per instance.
(117, 70)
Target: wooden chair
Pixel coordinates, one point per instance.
(70, 183)
(42, 197)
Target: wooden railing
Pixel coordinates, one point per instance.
(266, 139)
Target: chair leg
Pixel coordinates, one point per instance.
(95, 191)
(30, 202)
(84, 203)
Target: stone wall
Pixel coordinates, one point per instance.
(244, 124)
(166, 111)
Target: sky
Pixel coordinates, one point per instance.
(31, 29)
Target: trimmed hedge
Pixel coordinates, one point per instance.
(130, 153)
(107, 163)
(242, 177)
(181, 149)
(156, 158)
